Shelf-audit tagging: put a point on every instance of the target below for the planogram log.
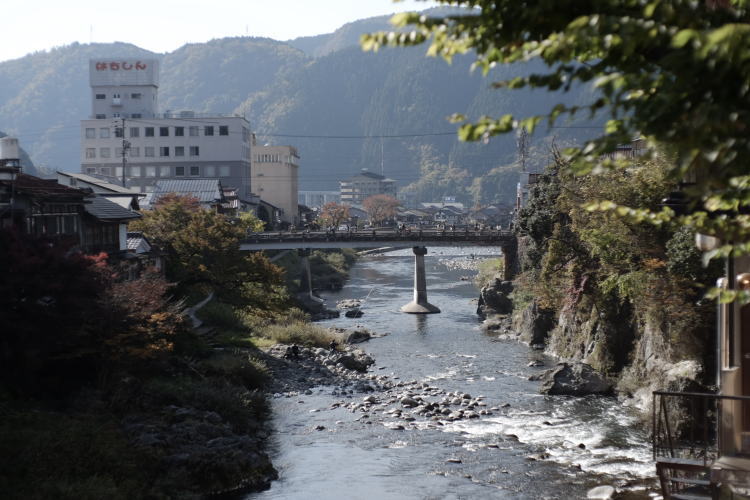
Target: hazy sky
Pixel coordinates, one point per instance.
(164, 25)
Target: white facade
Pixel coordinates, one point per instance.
(124, 124)
(275, 178)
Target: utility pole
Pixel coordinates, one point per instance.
(125, 147)
(523, 147)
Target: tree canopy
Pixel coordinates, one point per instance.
(676, 73)
(380, 207)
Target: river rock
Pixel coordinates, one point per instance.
(357, 361)
(357, 336)
(574, 379)
(601, 493)
(494, 298)
(354, 313)
(348, 303)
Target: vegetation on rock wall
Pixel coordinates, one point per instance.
(611, 281)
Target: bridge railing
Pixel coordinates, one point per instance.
(379, 235)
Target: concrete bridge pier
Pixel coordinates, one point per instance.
(306, 279)
(419, 305)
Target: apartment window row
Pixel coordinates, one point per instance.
(91, 133)
(148, 152)
(133, 95)
(164, 171)
(274, 158)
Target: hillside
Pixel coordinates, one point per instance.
(321, 94)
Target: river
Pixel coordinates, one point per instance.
(536, 447)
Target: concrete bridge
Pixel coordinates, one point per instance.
(418, 240)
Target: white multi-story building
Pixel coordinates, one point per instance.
(275, 178)
(126, 140)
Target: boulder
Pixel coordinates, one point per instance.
(357, 336)
(601, 492)
(574, 379)
(494, 298)
(356, 361)
(353, 313)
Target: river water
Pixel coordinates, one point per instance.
(578, 443)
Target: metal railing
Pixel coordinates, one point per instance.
(478, 236)
(685, 424)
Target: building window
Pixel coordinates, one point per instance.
(148, 151)
(104, 133)
(150, 171)
(164, 151)
(100, 116)
(164, 171)
(90, 152)
(104, 152)
(118, 132)
(101, 96)
(208, 130)
(149, 131)
(115, 115)
(224, 171)
(118, 152)
(134, 152)
(90, 133)
(223, 130)
(193, 131)
(90, 170)
(163, 131)
(194, 151)
(179, 131)
(179, 151)
(135, 171)
(105, 170)
(135, 115)
(195, 171)
(118, 172)
(179, 171)
(135, 95)
(209, 171)
(135, 132)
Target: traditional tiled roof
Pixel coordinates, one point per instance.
(105, 210)
(99, 182)
(206, 190)
(45, 189)
(136, 240)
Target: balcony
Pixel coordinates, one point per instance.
(692, 432)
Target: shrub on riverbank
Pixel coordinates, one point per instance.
(486, 271)
(298, 332)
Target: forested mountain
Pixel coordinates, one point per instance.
(321, 94)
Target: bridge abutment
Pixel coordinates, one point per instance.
(419, 305)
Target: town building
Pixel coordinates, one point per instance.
(62, 214)
(316, 199)
(275, 178)
(365, 184)
(127, 140)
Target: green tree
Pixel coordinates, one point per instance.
(649, 62)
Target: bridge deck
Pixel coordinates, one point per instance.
(375, 239)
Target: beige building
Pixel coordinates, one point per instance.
(274, 178)
(365, 184)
